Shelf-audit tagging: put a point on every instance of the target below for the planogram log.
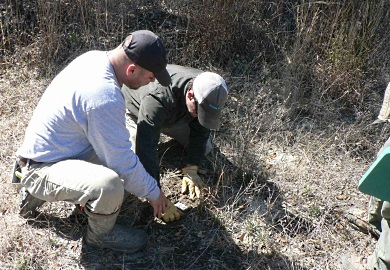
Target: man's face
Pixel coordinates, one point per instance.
(191, 103)
(139, 77)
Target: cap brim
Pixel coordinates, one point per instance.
(208, 117)
(163, 77)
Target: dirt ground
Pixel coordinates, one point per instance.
(275, 201)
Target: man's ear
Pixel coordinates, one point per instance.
(130, 69)
(190, 94)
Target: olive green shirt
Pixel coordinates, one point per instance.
(156, 107)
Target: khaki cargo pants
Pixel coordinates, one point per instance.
(83, 182)
(180, 133)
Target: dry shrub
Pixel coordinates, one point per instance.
(340, 51)
(336, 49)
(212, 29)
(223, 34)
(61, 30)
(17, 25)
(236, 36)
(67, 28)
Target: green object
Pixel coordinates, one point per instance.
(19, 174)
(376, 180)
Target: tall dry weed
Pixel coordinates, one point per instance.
(339, 52)
(321, 50)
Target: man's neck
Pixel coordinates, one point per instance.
(113, 58)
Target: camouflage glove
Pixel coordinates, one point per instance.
(172, 213)
(192, 181)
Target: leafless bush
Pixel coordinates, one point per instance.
(319, 49)
(338, 52)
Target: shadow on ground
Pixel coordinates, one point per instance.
(199, 240)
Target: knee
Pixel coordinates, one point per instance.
(108, 193)
(111, 187)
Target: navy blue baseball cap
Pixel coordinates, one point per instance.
(147, 50)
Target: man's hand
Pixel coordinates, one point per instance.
(159, 205)
(172, 213)
(191, 181)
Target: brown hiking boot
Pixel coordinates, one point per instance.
(28, 204)
(104, 233)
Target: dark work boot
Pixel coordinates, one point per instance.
(104, 233)
(28, 204)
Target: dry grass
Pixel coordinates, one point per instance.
(276, 198)
(294, 143)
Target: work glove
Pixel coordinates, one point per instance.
(191, 181)
(172, 213)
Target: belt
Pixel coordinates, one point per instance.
(23, 162)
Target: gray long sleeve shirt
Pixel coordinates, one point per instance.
(83, 110)
(156, 107)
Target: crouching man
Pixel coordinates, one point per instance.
(186, 110)
(77, 147)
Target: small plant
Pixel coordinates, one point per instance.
(314, 211)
